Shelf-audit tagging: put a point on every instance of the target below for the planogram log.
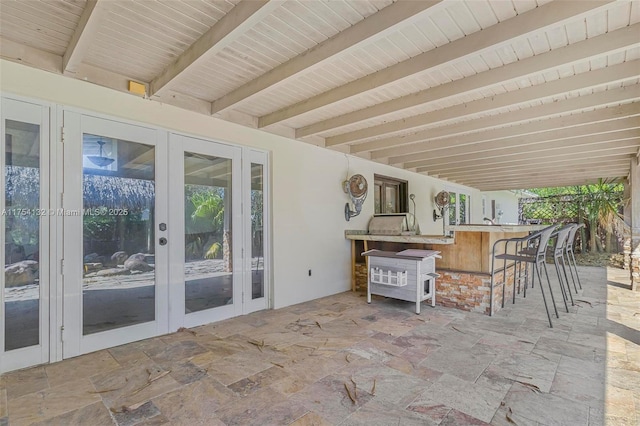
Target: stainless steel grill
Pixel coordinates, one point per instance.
(390, 224)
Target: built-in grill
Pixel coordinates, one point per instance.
(390, 224)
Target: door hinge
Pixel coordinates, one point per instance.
(62, 200)
(62, 134)
(61, 266)
(62, 333)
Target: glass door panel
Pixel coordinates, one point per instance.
(118, 270)
(208, 220)
(205, 236)
(24, 317)
(115, 264)
(257, 231)
(462, 209)
(452, 208)
(22, 235)
(391, 198)
(256, 225)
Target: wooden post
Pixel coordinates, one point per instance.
(635, 225)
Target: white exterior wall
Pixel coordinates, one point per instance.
(307, 199)
(506, 201)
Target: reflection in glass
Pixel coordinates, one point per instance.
(257, 236)
(377, 198)
(452, 208)
(22, 235)
(463, 209)
(391, 198)
(118, 286)
(208, 252)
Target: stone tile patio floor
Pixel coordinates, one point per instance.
(294, 366)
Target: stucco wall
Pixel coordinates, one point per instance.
(307, 199)
(506, 201)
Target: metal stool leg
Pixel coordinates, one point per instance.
(568, 261)
(504, 278)
(564, 269)
(533, 277)
(575, 266)
(553, 300)
(562, 289)
(544, 299)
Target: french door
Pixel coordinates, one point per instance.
(115, 232)
(161, 231)
(217, 231)
(115, 256)
(24, 229)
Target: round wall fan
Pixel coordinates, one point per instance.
(442, 201)
(357, 188)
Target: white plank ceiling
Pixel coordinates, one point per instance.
(495, 94)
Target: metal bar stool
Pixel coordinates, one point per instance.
(569, 253)
(524, 254)
(561, 236)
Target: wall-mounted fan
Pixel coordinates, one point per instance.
(357, 188)
(442, 201)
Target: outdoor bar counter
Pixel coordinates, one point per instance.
(465, 266)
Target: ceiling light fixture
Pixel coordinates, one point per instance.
(100, 160)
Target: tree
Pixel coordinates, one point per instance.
(596, 204)
(601, 208)
(204, 220)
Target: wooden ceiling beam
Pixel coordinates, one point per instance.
(604, 173)
(376, 26)
(229, 28)
(504, 146)
(587, 80)
(618, 169)
(522, 130)
(557, 180)
(599, 99)
(560, 160)
(550, 14)
(83, 35)
(522, 186)
(511, 185)
(521, 140)
(577, 144)
(567, 164)
(604, 44)
(606, 148)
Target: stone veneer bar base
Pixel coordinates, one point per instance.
(471, 291)
(467, 291)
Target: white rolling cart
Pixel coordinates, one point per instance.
(408, 275)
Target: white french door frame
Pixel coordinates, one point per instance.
(75, 125)
(249, 157)
(26, 111)
(60, 322)
(178, 145)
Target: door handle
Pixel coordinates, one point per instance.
(163, 241)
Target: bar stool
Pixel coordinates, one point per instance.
(569, 252)
(559, 250)
(526, 254)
